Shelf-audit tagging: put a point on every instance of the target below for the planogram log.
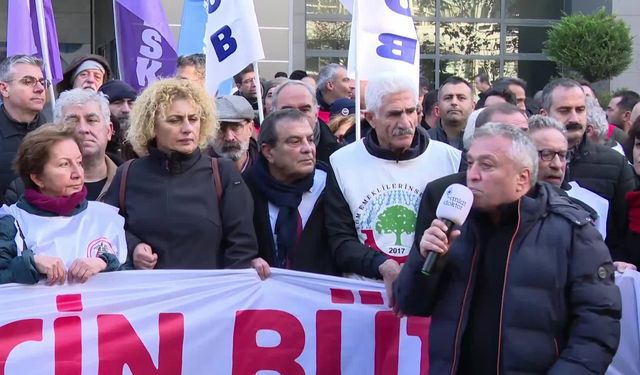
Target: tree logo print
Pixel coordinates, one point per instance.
(397, 220)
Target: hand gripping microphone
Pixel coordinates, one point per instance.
(453, 209)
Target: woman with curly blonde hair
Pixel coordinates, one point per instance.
(182, 209)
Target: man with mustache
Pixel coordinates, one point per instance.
(23, 91)
(455, 101)
(287, 185)
(234, 140)
(373, 195)
(85, 72)
(593, 166)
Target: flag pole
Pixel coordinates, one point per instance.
(258, 93)
(116, 25)
(44, 46)
(354, 23)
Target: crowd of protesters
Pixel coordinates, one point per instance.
(172, 178)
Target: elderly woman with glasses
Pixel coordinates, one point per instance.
(183, 209)
(53, 231)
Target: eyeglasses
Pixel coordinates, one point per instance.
(548, 155)
(31, 81)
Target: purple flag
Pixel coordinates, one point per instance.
(23, 37)
(146, 50)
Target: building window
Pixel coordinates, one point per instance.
(457, 37)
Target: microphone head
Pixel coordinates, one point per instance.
(455, 204)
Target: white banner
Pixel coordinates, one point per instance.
(232, 40)
(627, 358)
(383, 38)
(207, 322)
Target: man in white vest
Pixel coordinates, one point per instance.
(372, 197)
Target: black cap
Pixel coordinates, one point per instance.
(342, 106)
(118, 90)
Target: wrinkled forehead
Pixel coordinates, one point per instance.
(568, 96)
(489, 146)
(82, 109)
(549, 138)
(401, 100)
(294, 96)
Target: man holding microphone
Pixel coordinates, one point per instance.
(525, 285)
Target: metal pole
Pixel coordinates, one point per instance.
(258, 92)
(116, 24)
(354, 23)
(44, 46)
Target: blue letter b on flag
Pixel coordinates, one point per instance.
(397, 47)
(223, 43)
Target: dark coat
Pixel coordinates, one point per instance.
(171, 205)
(437, 133)
(327, 145)
(608, 174)
(560, 307)
(11, 135)
(313, 253)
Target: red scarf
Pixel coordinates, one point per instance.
(62, 206)
(633, 199)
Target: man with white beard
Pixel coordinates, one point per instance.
(234, 140)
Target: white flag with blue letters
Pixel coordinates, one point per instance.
(386, 38)
(232, 40)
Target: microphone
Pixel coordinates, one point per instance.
(452, 210)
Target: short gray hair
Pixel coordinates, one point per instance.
(81, 97)
(597, 118)
(523, 151)
(539, 122)
(6, 66)
(326, 74)
(197, 60)
(388, 83)
(549, 88)
(282, 86)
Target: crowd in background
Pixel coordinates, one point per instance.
(172, 178)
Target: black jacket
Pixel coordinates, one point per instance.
(312, 254)
(328, 143)
(171, 204)
(437, 133)
(608, 174)
(11, 134)
(559, 310)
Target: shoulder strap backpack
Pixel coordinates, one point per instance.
(122, 194)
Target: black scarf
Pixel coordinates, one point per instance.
(287, 198)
